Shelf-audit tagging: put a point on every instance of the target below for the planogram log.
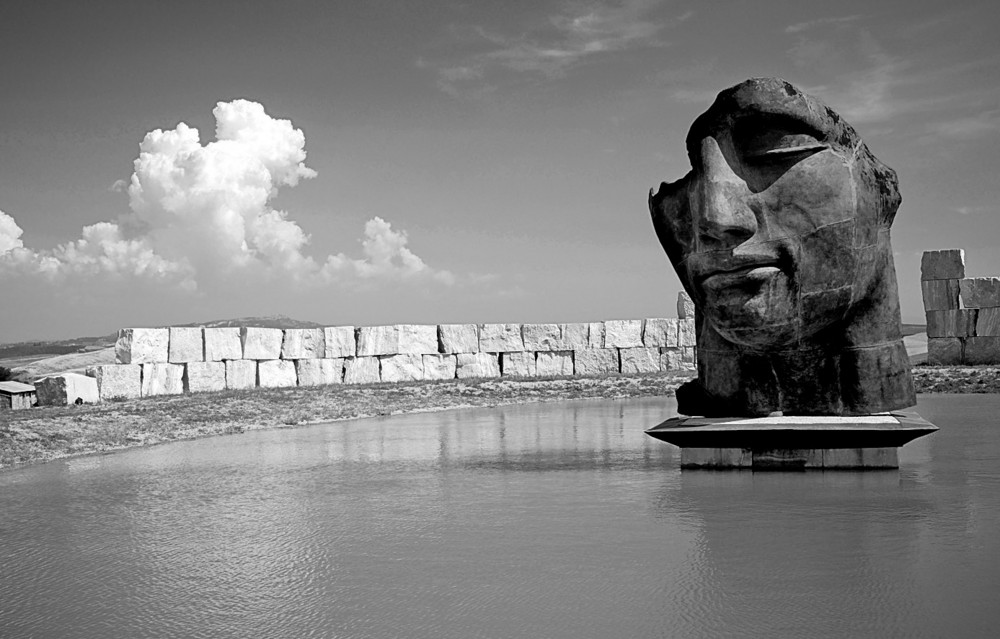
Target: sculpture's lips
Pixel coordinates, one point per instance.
(738, 272)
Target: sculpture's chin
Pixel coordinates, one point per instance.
(755, 313)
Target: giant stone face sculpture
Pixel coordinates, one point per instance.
(780, 234)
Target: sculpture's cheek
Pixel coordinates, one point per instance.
(814, 193)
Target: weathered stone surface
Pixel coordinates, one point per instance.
(340, 341)
(689, 358)
(378, 340)
(241, 373)
(670, 359)
(201, 377)
(223, 343)
(518, 364)
(595, 337)
(660, 332)
(261, 343)
(686, 334)
(575, 336)
(68, 388)
(940, 295)
(478, 364)
(187, 344)
(553, 363)
(622, 333)
(987, 322)
(418, 339)
(117, 381)
(640, 360)
(361, 370)
(162, 379)
(303, 343)
(319, 372)
(142, 345)
(276, 373)
(542, 337)
(980, 350)
(499, 338)
(458, 338)
(956, 323)
(944, 351)
(403, 367)
(440, 366)
(942, 265)
(685, 306)
(596, 361)
(979, 292)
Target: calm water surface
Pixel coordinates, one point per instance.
(548, 520)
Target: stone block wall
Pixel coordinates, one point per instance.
(963, 313)
(159, 361)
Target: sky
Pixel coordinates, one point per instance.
(387, 162)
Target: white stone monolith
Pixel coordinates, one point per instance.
(320, 372)
(65, 389)
(440, 366)
(517, 364)
(685, 306)
(542, 337)
(686, 335)
(142, 345)
(204, 377)
(378, 340)
(340, 341)
(595, 335)
(418, 339)
(671, 359)
(241, 373)
(459, 338)
(402, 367)
(622, 333)
(575, 336)
(478, 365)
(117, 381)
(261, 343)
(596, 361)
(303, 343)
(223, 343)
(660, 332)
(639, 360)
(500, 338)
(361, 370)
(187, 344)
(276, 373)
(554, 363)
(162, 379)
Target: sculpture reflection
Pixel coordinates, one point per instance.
(780, 234)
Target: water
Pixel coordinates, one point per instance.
(550, 520)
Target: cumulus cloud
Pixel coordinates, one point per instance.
(201, 217)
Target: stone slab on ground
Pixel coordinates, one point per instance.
(987, 322)
(378, 340)
(595, 334)
(639, 360)
(541, 337)
(361, 370)
(65, 389)
(575, 336)
(517, 364)
(142, 345)
(980, 350)
(441, 366)
(187, 344)
(162, 379)
(459, 338)
(117, 381)
(276, 373)
(944, 351)
(261, 343)
(940, 295)
(553, 363)
(499, 338)
(953, 323)
(204, 377)
(404, 367)
(660, 332)
(319, 371)
(418, 339)
(477, 365)
(223, 343)
(622, 333)
(303, 343)
(340, 341)
(948, 264)
(596, 361)
(241, 373)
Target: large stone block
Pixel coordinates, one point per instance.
(595, 337)
(689, 358)
(940, 295)
(479, 364)
(596, 361)
(660, 333)
(403, 367)
(954, 323)
(517, 364)
(340, 341)
(261, 343)
(639, 360)
(554, 363)
(944, 351)
(980, 292)
(440, 366)
(378, 340)
(575, 336)
(499, 338)
(622, 333)
(418, 339)
(142, 345)
(162, 379)
(276, 373)
(223, 343)
(241, 373)
(68, 388)
(361, 370)
(686, 333)
(203, 377)
(671, 359)
(980, 350)
(685, 306)
(319, 371)
(187, 344)
(542, 337)
(117, 381)
(303, 343)
(459, 338)
(987, 321)
(942, 265)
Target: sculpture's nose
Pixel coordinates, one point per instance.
(725, 218)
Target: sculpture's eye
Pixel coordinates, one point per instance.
(771, 140)
(787, 148)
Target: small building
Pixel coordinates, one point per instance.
(15, 396)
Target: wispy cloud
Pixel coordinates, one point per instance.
(812, 24)
(985, 123)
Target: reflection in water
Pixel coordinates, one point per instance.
(543, 520)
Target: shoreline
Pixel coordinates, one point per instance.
(48, 433)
